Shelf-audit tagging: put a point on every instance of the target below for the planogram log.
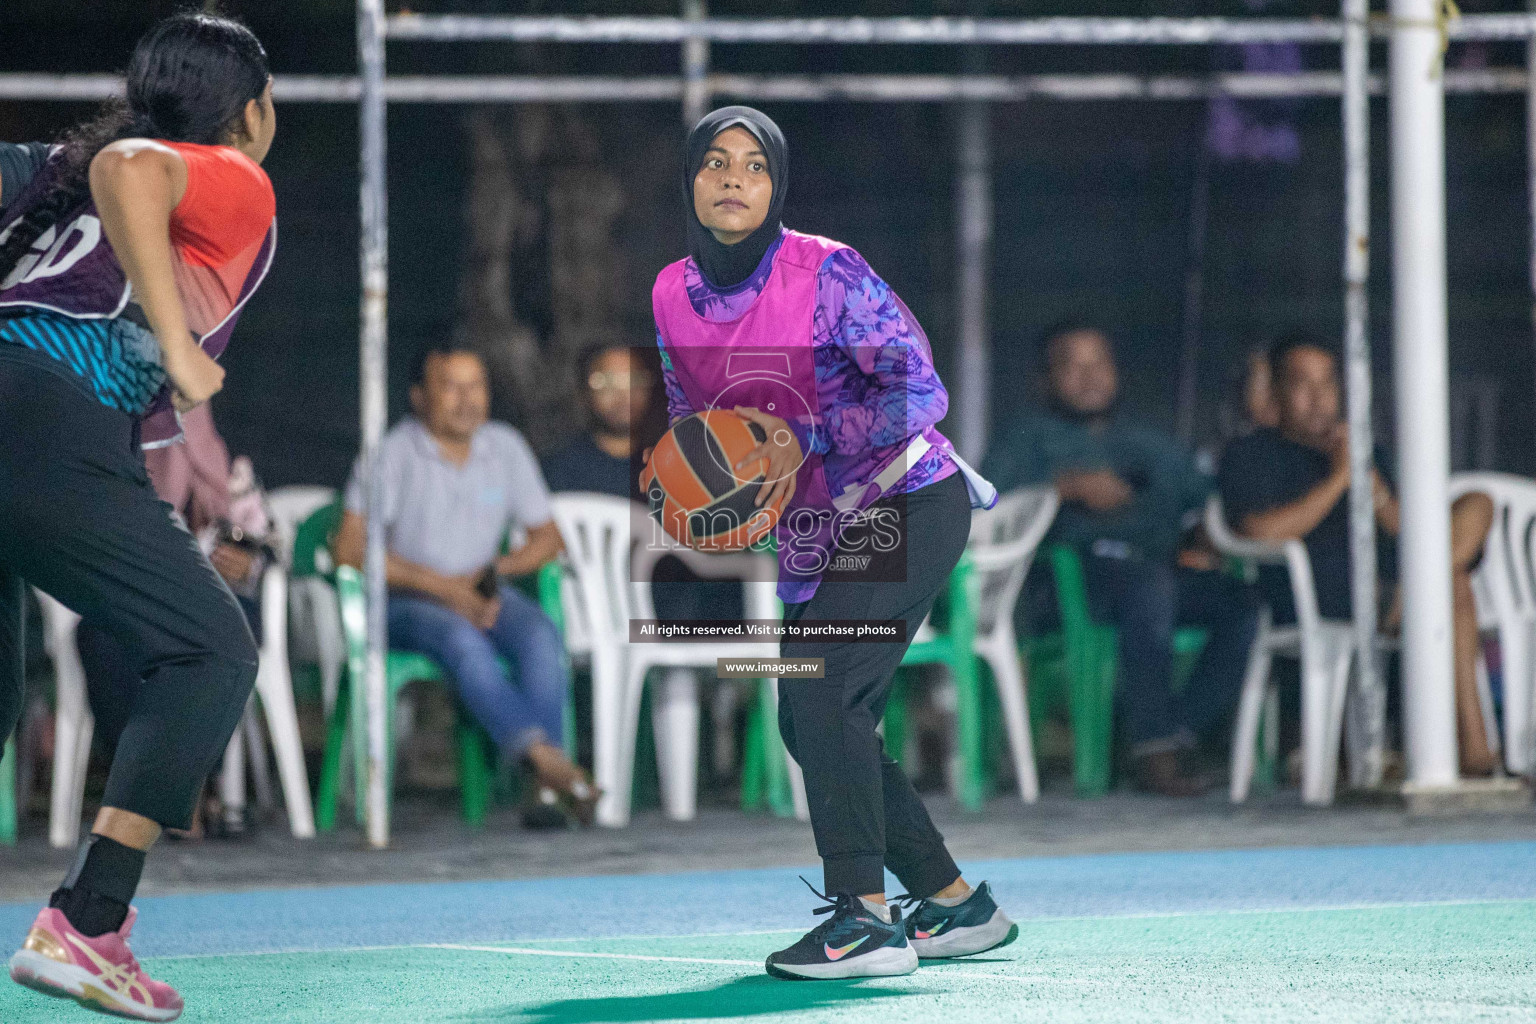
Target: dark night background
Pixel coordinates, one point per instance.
(1092, 204)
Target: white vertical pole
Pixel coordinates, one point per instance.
(1530, 149)
(972, 397)
(974, 224)
(1357, 364)
(373, 371)
(1419, 327)
(695, 68)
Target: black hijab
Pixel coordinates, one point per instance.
(726, 266)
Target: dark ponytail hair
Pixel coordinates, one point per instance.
(189, 80)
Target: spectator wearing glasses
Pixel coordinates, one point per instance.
(615, 388)
(1127, 491)
(618, 396)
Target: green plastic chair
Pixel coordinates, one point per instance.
(311, 556)
(1089, 661)
(8, 795)
(952, 647)
(765, 772)
(312, 543)
(311, 579)
(400, 668)
(765, 781)
(547, 588)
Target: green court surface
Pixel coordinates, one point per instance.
(1388, 934)
(1447, 962)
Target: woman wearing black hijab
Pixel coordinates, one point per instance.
(797, 334)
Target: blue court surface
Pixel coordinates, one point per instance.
(1405, 933)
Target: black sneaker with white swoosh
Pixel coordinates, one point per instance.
(852, 943)
(975, 926)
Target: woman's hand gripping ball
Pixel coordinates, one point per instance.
(782, 450)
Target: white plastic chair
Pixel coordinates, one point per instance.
(675, 706)
(74, 723)
(275, 690)
(609, 545)
(314, 614)
(290, 506)
(1504, 585)
(1002, 545)
(1325, 649)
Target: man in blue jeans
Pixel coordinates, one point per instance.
(1128, 493)
(454, 485)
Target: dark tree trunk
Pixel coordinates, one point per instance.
(539, 209)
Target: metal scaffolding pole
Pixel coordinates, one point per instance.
(972, 393)
(973, 230)
(695, 68)
(1522, 750)
(1419, 322)
(1371, 707)
(482, 89)
(919, 31)
(373, 366)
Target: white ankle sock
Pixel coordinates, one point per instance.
(880, 910)
(952, 901)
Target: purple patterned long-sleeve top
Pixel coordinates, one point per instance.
(875, 381)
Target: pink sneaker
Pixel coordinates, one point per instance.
(99, 974)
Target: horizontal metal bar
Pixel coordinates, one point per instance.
(21, 86)
(484, 89)
(783, 88)
(512, 28)
(928, 31)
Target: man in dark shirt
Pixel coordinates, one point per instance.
(615, 389)
(1126, 492)
(1291, 482)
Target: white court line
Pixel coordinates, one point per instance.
(525, 951)
(676, 935)
(1214, 912)
(1301, 909)
(318, 950)
(571, 953)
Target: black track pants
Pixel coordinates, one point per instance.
(864, 811)
(80, 521)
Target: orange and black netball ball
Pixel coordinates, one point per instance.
(695, 492)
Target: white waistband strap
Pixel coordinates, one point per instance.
(889, 476)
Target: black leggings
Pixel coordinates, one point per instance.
(80, 521)
(864, 811)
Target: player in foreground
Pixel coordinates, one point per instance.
(853, 430)
(123, 265)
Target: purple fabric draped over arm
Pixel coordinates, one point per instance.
(677, 402)
(891, 390)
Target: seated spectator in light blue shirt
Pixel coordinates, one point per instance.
(454, 485)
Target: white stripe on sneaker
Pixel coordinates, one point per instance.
(965, 941)
(885, 962)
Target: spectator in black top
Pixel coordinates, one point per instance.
(1291, 483)
(618, 397)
